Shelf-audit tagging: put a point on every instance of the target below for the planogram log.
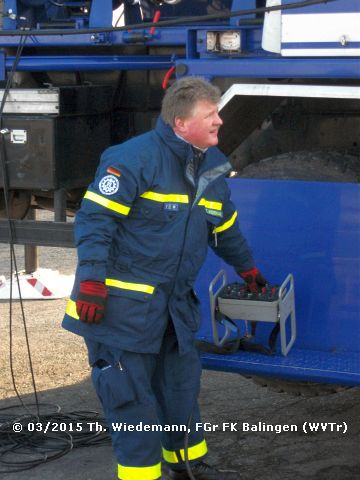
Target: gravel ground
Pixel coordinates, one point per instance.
(58, 357)
(62, 377)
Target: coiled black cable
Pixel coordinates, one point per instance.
(28, 440)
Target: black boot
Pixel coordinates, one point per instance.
(202, 471)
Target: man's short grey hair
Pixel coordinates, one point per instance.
(181, 97)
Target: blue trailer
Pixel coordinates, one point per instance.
(86, 74)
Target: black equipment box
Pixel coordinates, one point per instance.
(54, 136)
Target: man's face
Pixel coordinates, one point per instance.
(201, 128)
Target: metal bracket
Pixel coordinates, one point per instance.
(18, 136)
(213, 307)
(30, 232)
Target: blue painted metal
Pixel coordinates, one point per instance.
(100, 13)
(273, 67)
(311, 229)
(9, 23)
(174, 36)
(242, 5)
(300, 365)
(87, 62)
(338, 6)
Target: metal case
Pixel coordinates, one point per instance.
(55, 136)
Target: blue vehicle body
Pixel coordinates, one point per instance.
(303, 228)
(291, 82)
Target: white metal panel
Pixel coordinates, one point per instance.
(305, 91)
(271, 38)
(320, 27)
(31, 101)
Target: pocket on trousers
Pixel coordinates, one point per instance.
(113, 386)
(195, 315)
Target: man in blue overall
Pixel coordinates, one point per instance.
(142, 233)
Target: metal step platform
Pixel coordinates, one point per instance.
(302, 365)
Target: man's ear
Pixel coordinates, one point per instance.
(179, 125)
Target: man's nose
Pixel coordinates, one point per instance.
(218, 120)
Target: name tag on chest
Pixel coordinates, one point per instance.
(171, 207)
(214, 213)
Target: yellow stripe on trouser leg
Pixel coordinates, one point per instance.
(194, 452)
(139, 473)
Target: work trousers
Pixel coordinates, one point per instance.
(148, 400)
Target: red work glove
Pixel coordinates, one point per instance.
(254, 280)
(90, 302)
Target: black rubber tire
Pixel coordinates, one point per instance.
(305, 165)
(19, 204)
(309, 166)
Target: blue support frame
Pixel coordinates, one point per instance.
(272, 67)
(175, 36)
(87, 63)
(260, 65)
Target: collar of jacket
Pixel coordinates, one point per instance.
(214, 159)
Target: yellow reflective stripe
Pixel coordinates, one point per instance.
(165, 197)
(209, 204)
(137, 287)
(169, 456)
(71, 309)
(136, 473)
(105, 202)
(226, 225)
(194, 452)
